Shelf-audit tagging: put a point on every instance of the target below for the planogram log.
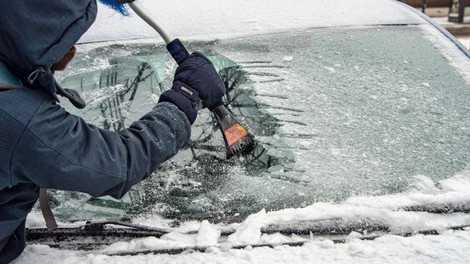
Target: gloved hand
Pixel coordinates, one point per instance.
(196, 85)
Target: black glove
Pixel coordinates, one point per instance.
(196, 85)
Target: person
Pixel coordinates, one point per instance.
(44, 146)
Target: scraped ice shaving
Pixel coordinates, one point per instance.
(424, 184)
(287, 58)
(177, 236)
(330, 69)
(278, 238)
(208, 235)
(249, 232)
(142, 244)
(155, 98)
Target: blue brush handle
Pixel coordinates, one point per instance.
(177, 51)
(180, 53)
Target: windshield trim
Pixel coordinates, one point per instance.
(439, 27)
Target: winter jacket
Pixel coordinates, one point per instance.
(44, 146)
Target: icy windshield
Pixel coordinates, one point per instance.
(336, 112)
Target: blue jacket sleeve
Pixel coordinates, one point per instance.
(61, 151)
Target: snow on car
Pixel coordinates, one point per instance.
(360, 114)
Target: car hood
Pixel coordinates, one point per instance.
(219, 19)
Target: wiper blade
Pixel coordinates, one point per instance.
(97, 234)
(179, 250)
(440, 208)
(327, 227)
(91, 235)
(337, 239)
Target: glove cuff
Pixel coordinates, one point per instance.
(188, 92)
(182, 102)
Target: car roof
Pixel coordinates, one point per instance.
(211, 19)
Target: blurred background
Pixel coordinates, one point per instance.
(453, 15)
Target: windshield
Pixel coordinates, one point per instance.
(336, 112)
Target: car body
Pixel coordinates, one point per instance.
(360, 111)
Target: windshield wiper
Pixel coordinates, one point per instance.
(436, 208)
(91, 235)
(97, 235)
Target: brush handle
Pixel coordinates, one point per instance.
(177, 51)
(149, 19)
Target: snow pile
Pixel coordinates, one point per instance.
(387, 209)
(148, 243)
(448, 247)
(250, 231)
(208, 235)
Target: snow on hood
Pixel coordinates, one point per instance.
(215, 18)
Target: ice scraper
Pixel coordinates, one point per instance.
(238, 141)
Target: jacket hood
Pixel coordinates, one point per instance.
(34, 34)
